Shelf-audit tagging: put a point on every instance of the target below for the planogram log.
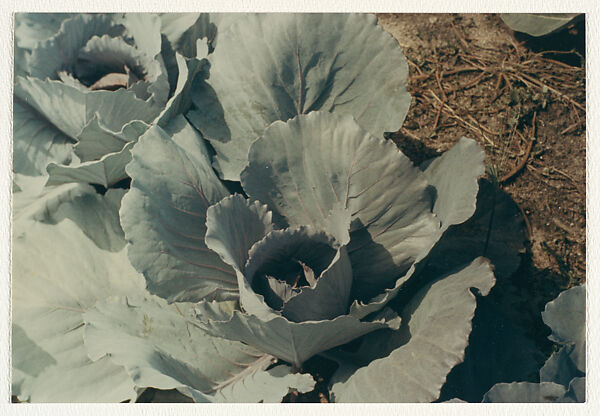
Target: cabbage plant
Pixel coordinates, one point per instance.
(268, 222)
(87, 86)
(310, 259)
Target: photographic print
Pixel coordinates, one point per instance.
(298, 208)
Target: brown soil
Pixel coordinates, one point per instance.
(470, 75)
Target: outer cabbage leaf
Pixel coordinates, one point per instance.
(91, 382)
(164, 214)
(576, 392)
(560, 368)
(309, 165)
(454, 176)
(524, 392)
(61, 105)
(32, 28)
(160, 347)
(106, 171)
(544, 392)
(36, 142)
(144, 28)
(69, 274)
(270, 67)
(66, 229)
(187, 70)
(96, 140)
(32, 201)
(20, 58)
(538, 24)
(184, 29)
(30, 360)
(294, 342)
(435, 330)
(71, 109)
(565, 315)
(96, 215)
(452, 179)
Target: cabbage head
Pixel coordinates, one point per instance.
(87, 86)
(333, 224)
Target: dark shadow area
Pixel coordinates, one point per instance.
(373, 267)
(495, 231)
(152, 395)
(509, 341)
(321, 369)
(170, 61)
(566, 45)
(417, 151)
(202, 28)
(234, 187)
(122, 184)
(208, 115)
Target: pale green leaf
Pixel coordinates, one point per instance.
(106, 171)
(96, 215)
(560, 368)
(233, 225)
(144, 28)
(69, 109)
(565, 315)
(49, 296)
(92, 382)
(36, 202)
(164, 214)
(524, 392)
(270, 67)
(160, 347)
(180, 101)
(307, 166)
(576, 392)
(291, 341)
(36, 142)
(184, 29)
(96, 141)
(29, 360)
(61, 105)
(454, 177)
(435, 330)
(32, 28)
